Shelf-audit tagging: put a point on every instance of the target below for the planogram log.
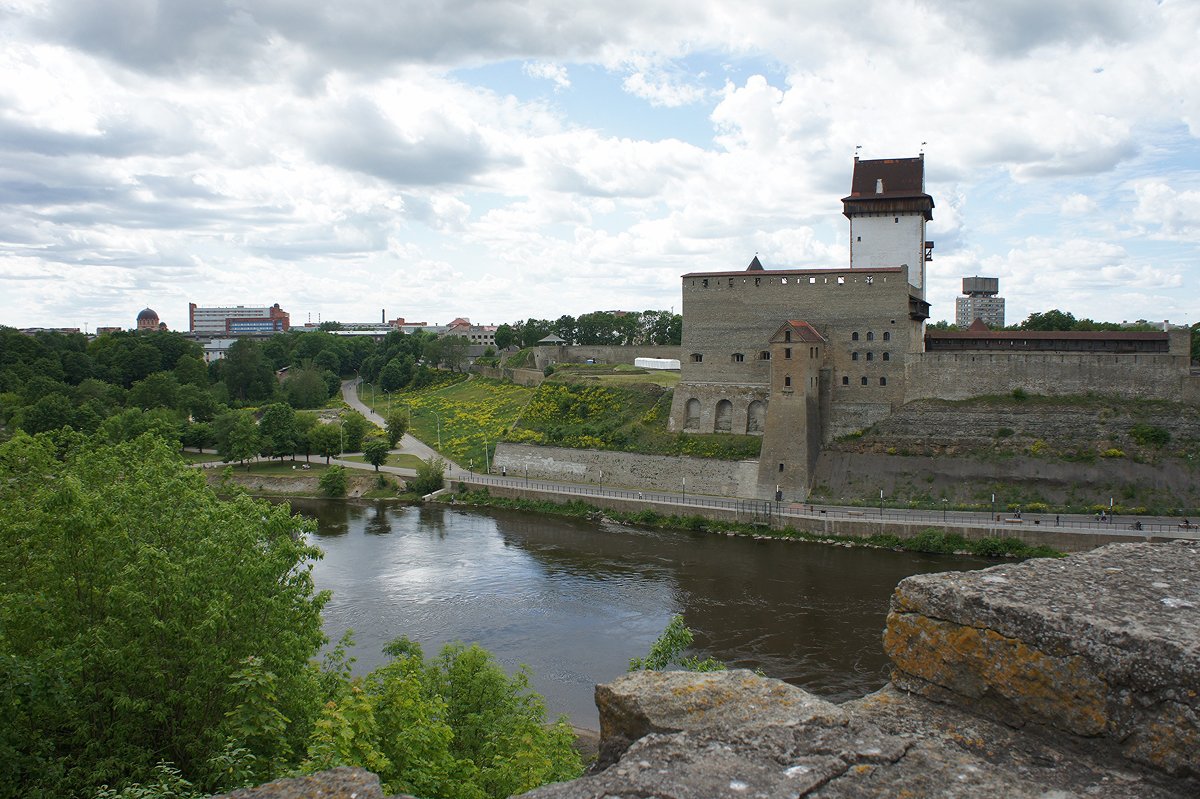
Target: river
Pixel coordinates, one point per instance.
(575, 600)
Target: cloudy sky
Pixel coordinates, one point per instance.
(501, 159)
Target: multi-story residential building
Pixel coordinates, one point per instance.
(224, 320)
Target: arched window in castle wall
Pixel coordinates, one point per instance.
(724, 422)
(692, 419)
(756, 417)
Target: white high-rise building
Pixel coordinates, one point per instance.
(981, 302)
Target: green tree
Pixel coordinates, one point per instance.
(454, 352)
(326, 440)
(131, 598)
(397, 426)
(333, 481)
(396, 374)
(455, 726)
(430, 476)
(247, 373)
(1050, 320)
(355, 426)
(505, 336)
(277, 430)
(159, 390)
(236, 435)
(375, 451)
(305, 388)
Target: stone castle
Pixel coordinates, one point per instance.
(801, 356)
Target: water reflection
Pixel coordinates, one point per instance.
(576, 600)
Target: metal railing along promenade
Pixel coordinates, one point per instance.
(763, 509)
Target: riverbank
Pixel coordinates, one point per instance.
(931, 540)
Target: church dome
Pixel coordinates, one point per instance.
(146, 315)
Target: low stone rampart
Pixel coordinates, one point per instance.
(522, 377)
(961, 375)
(645, 472)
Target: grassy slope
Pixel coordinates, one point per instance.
(600, 407)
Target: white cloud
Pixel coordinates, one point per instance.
(330, 156)
(555, 73)
(1168, 213)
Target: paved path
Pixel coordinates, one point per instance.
(408, 444)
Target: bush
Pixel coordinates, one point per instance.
(1112, 452)
(141, 642)
(668, 650)
(1149, 435)
(430, 476)
(1019, 394)
(333, 481)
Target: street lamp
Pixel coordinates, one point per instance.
(439, 425)
(881, 503)
(685, 488)
(944, 501)
(342, 437)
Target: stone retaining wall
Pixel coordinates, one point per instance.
(642, 472)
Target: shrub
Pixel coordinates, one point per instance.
(1004, 432)
(668, 650)
(430, 476)
(333, 481)
(1019, 394)
(1149, 435)
(1112, 452)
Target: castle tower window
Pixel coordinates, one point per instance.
(854, 336)
(697, 357)
(883, 381)
(787, 380)
(704, 282)
(887, 356)
(864, 381)
(887, 334)
(787, 353)
(854, 356)
(870, 356)
(758, 281)
(870, 335)
(765, 355)
(845, 380)
(738, 357)
(787, 336)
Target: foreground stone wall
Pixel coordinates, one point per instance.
(1104, 645)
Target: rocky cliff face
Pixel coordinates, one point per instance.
(1050, 678)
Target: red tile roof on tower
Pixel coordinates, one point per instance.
(801, 331)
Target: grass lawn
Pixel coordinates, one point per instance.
(403, 460)
(200, 457)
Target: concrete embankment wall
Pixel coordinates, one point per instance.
(643, 472)
(522, 377)
(857, 525)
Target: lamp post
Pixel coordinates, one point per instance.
(685, 488)
(993, 506)
(439, 425)
(881, 503)
(944, 501)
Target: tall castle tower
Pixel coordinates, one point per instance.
(888, 209)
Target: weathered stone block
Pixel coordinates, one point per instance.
(1102, 644)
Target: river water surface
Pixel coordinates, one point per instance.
(575, 600)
